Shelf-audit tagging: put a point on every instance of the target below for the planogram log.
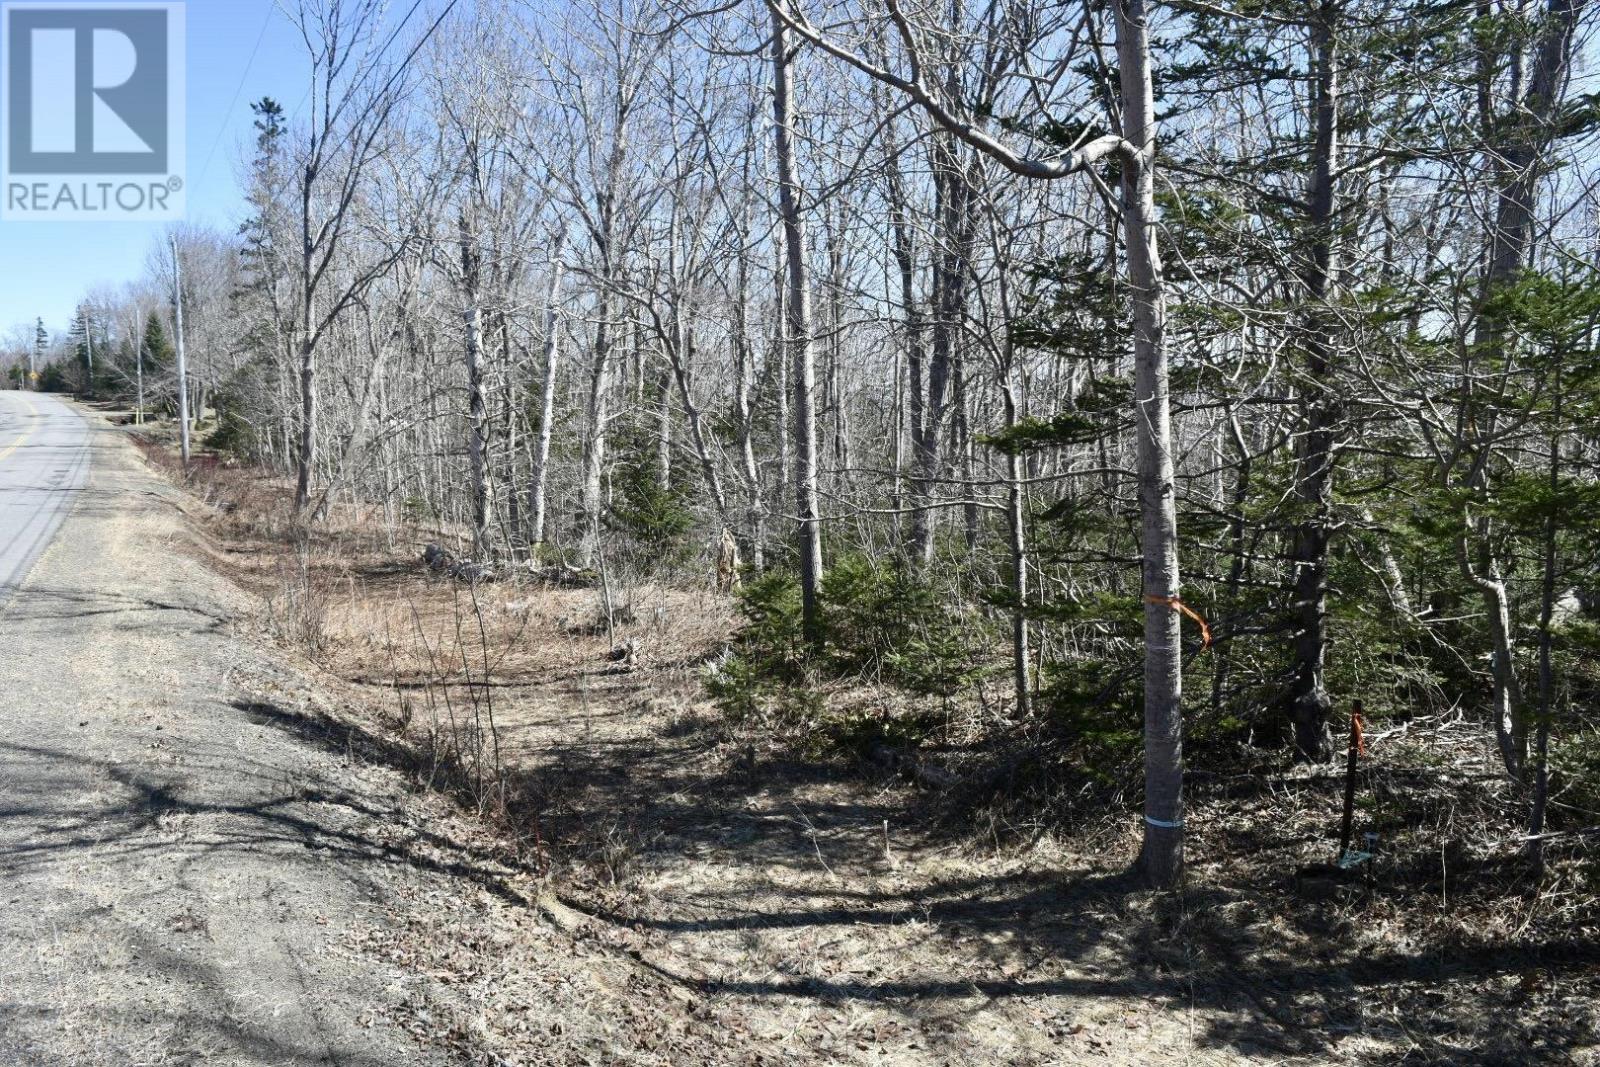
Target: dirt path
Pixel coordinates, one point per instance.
(178, 873)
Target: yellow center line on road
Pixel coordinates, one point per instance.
(19, 442)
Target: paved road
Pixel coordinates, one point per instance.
(44, 463)
(185, 871)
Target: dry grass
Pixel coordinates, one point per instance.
(773, 908)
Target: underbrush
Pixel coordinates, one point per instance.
(903, 685)
(448, 665)
(889, 765)
(904, 682)
(889, 678)
(329, 593)
(882, 624)
(912, 675)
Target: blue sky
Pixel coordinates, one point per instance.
(238, 51)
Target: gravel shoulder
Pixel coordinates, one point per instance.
(183, 871)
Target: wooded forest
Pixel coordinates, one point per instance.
(1149, 380)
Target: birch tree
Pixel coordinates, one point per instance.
(1161, 855)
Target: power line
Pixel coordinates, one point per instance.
(260, 36)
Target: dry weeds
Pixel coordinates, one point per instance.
(696, 893)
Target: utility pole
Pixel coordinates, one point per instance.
(88, 351)
(41, 340)
(183, 369)
(138, 364)
(138, 414)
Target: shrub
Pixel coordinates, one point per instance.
(234, 435)
(416, 510)
(880, 620)
(1098, 714)
(772, 635)
(53, 379)
(767, 661)
(655, 517)
(863, 733)
(886, 619)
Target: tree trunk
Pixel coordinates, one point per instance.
(953, 195)
(1547, 678)
(594, 454)
(1016, 519)
(1309, 702)
(477, 433)
(807, 507)
(744, 419)
(538, 487)
(512, 404)
(307, 457)
(910, 358)
(477, 408)
(781, 371)
(1520, 142)
(663, 402)
(682, 353)
(138, 371)
(1238, 499)
(1161, 856)
(369, 394)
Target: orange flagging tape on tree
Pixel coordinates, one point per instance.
(1178, 605)
(1358, 729)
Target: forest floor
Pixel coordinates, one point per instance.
(641, 881)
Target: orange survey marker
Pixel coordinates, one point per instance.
(1178, 605)
(1358, 748)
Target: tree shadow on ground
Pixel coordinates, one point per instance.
(1068, 935)
(1059, 937)
(40, 604)
(162, 998)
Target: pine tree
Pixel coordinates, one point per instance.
(158, 351)
(41, 345)
(81, 331)
(266, 190)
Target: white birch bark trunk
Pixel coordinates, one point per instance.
(538, 489)
(1161, 856)
(477, 408)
